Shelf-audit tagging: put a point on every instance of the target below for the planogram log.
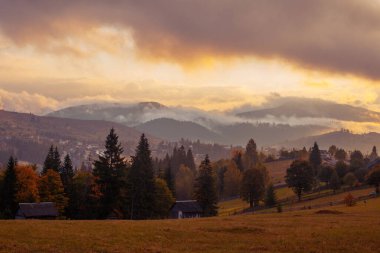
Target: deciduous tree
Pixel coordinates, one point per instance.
(253, 186)
(164, 199)
(184, 183)
(51, 190)
(299, 177)
(374, 178)
(26, 184)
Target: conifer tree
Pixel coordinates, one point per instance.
(56, 160)
(49, 160)
(9, 191)
(67, 173)
(141, 183)
(52, 160)
(205, 191)
(190, 160)
(170, 179)
(315, 158)
(251, 155)
(238, 159)
(109, 170)
(271, 198)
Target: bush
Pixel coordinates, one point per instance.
(279, 208)
(349, 200)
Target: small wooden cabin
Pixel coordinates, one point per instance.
(43, 210)
(186, 209)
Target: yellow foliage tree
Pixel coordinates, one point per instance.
(26, 184)
(51, 190)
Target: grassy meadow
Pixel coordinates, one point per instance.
(342, 229)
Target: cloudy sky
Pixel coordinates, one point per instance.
(209, 54)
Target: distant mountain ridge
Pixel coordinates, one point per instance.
(280, 122)
(315, 109)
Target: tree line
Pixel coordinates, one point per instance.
(304, 175)
(145, 188)
(112, 188)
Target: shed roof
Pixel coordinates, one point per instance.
(43, 209)
(190, 206)
(373, 163)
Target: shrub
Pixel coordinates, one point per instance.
(349, 200)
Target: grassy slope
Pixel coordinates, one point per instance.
(356, 230)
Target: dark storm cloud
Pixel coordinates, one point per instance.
(332, 35)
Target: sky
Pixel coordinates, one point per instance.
(207, 54)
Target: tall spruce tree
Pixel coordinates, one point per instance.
(270, 198)
(56, 160)
(9, 191)
(315, 158)
(140, 190)
(170, 179)
(205, 191)
(109, 170)
(49, 160)
(67, 173)
(52, 160)
(190, 160)
(250, 157)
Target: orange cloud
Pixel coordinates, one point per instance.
(327, 35)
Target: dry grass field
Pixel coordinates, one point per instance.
(277, 170)
(346, 229)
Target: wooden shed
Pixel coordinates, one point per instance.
(186, 209)
(43, 210)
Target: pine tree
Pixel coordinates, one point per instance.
(205, 189)
(238, 159)
(52, 160)
(109, 170)
(251, 155)
(190, 160)
(56, 160)
(271, 198)
(315, 158)
(9, 191)
(170, 179)
(49, 160)
(141, 183)
(67, 173)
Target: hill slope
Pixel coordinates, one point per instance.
(28, 136)
(174, 130)
(342, 139)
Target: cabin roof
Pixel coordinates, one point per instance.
(43, 209)
(373, 163)
(187, 206)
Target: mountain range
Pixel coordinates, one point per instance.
(271, 124)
